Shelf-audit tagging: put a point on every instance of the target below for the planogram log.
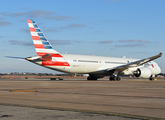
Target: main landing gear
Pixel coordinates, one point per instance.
(114, 78)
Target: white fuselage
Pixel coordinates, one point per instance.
(86, 64)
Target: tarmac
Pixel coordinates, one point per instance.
(81, 99)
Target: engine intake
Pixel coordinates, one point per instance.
(143, 72)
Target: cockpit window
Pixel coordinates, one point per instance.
(146, 65)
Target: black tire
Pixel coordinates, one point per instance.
(151, 79)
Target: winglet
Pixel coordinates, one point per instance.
(160, 54)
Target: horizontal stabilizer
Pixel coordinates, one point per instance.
(19, 58)
(47, 57)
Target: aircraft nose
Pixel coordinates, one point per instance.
(159, 69)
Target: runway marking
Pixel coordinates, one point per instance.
(23, 91)
(86, 111)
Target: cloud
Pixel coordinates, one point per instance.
(1, 36)
(130, 45)
(40, 13)
(1, 18)
(4, 23)
(51, 30)
(57, 29)
(17, 42)
(25, 30)
(60, 42)
(32, 14)
(127, 43)
(55, 42)
(47, 30)
(106, 42)
(76, 25)
(62, 17)
(138, 41)
(64, 42)
(71, 26)
(37, 13)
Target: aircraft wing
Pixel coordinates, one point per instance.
(136, 63)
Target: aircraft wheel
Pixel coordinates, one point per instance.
(111, 78)
(114, 78)
(118, 78)
(151, 78)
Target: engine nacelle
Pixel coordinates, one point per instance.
(143, 72)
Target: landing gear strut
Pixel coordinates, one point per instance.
(114, 78)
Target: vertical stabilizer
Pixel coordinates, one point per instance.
(41, 43)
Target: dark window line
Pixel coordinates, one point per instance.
(87, 61)
(115, 62)
(98, 61)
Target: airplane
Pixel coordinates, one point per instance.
(96, 66)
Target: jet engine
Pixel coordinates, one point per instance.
(143, 72)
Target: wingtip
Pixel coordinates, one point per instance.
(160, 53)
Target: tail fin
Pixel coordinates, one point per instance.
(41, 44)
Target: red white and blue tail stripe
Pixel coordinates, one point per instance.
(44, 49)
(41, 44)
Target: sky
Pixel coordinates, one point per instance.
(114, 28)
